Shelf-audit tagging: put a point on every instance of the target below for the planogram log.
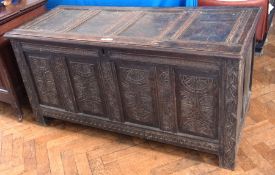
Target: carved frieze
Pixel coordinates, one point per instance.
(135, 131)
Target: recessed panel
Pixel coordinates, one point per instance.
(210, 27)
(44, 79)
(136, 85)
(58, 21)
(150, 25)
(98, 24)
(86, 87)
(197, 98)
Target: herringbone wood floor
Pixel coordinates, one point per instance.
(64, 148)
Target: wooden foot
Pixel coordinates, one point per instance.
(18, 111)
(20, 118)
(43, 121)
(227, 161)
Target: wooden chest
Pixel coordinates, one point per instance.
(11, 85)
(179, 76)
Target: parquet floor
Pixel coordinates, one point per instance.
(64, 148)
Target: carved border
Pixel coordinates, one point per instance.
(164, 137)
(229, 140)
(59, 49)
(236, 38)
(236, 27)
(186, 25)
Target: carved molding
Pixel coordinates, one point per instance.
(134, 131)
(59, 50)
(228, 155)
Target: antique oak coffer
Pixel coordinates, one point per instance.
(179, 76)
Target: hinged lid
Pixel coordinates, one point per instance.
(215, 31)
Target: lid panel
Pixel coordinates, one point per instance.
(207, 30)
(98, 24)
(150, 25)
(58, 21)
(210, 27)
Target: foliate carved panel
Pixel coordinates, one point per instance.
(44, 80)
(197, 104)
(86, 88)
(137, 93)
(166, 95)
(63, 85)
(111, 91)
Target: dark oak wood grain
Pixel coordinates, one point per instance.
(11, 85)
(174, 75)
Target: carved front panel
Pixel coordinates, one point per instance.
(137, 93)
(44, 79)
(86, 88)
(197, 104)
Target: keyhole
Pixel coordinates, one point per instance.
(103, 52)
